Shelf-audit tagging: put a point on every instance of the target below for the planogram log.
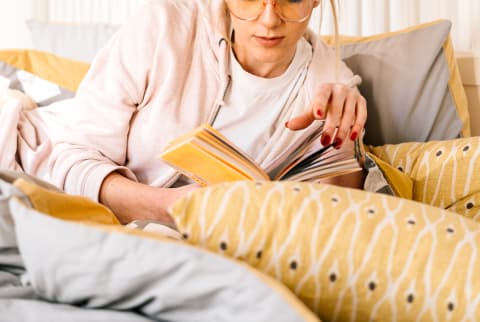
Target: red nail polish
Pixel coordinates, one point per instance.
(338, 143)
(353, 136)
(326, 140)
(319, 113)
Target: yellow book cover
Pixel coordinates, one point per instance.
(208, 157)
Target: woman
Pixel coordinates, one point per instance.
(249, 68)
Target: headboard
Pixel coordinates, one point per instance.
(76, 29)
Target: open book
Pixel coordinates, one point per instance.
(207, 157)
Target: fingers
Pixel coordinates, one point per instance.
(316, 111)
(347, 120)
(361, 118)
(300, 122)
(325, 93)
(334, 114)
(343, 108)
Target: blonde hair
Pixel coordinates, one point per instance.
(333, 5)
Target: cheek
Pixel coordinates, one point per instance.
(295, 35)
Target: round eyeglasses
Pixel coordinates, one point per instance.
(287, 10)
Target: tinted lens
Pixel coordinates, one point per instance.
(293, 10)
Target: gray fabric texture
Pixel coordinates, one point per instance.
(30, 310)
(405, 81)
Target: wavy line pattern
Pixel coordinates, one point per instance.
(350, 255)
(353, 255)
(446, 174)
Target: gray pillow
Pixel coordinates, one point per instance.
(411, 83)
(75, 41)
(42, 91)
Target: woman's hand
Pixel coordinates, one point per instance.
(341, 107)
(131, 200)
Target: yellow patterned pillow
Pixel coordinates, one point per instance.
(350, 255)
(445, 174)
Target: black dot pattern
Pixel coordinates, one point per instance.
(410, 298)
(296, 189)
(400, 168)
(185, 236)
(466, 148)
(411, 222)
(450, 230)
(335, 199)
(259, 254)
(451, 306)
(223, 246)
(293, 265)
(439, 153)
(333, 277)
(371, 211)
(372, 286)
(470, 205)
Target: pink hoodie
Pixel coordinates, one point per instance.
(164, 73)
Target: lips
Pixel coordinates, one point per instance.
(269, 41)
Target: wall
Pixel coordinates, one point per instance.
(367, 17)
(470, 70)
(13, 31)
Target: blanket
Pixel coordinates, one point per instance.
(59, 269)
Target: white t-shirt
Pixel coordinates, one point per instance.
(254, 104)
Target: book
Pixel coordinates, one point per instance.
(206, 156)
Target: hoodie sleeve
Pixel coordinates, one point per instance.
(94, 140)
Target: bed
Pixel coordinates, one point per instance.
(257, 251)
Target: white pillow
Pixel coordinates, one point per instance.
(71, 40)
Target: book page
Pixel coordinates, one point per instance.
(293, 153)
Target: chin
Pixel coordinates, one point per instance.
(269, 55)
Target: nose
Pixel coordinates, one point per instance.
(269, 16)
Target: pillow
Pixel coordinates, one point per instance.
(19, 66)
(444, 174)
(350, 255)
(411, 83)
(75, 41)
(109, 267)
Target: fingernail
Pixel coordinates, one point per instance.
(338, 143)
(353, 136)
(326, 140)
(286, 124)
(319, 113)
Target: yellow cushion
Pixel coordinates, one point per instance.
(61, 71)
(400, 182)
(64, 206)
(350, 255)
(445, 174)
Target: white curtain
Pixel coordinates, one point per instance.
(367, 17)
(357, 17)
(91, 11)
